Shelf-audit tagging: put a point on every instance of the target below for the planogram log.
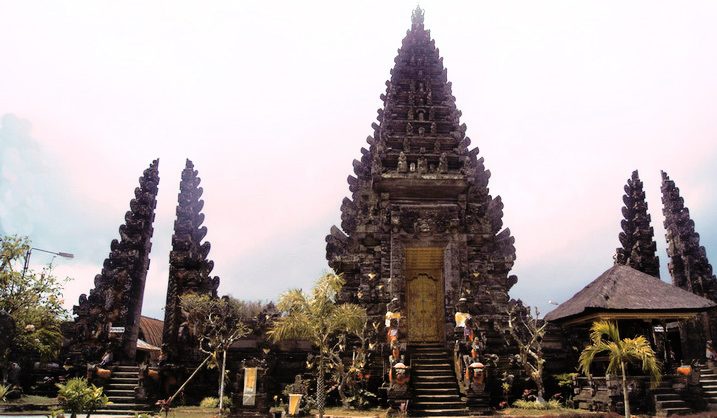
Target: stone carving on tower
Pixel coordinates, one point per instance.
(688, 267)
(109, 317)
(421, 230)
(688, 264)
(637, 237)
(189, 268)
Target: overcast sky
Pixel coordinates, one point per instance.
(273, 100)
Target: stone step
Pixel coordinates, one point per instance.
(664, 405)
(432, 373)
(434, 385)
(432, 404)
(667, 397)
(436, 390)
(431, 366)
(673, 411)
(121, 393)
(436, 364)
(437, 382)
(121, 398)
(128, 394)
(120, 386)
(123, 377)
(433, 400)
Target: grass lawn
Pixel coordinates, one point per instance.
(199, 412)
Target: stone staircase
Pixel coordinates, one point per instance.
(708, 380)
(120, 391)
(434, 386)
(668, 402)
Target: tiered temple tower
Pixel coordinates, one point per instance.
(189, 268)
(688, 265)
(421, 230)
(638, 243)
(109, 317)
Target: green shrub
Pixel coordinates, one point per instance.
(209, 402)
(4, 390)
(551, 404)
(77, 397)
(212, 402)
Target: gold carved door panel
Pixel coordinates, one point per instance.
(424, 294)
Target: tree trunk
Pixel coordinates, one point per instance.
(221, 383)
(540, 388)
(181, 388)
(626, 396)
(321, 388)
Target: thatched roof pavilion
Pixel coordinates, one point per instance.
(622, 292)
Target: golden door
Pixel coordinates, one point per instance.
(424, 294)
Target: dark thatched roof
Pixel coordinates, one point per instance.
(151, 330)
(624, 289)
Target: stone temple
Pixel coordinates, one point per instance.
(421, 237)
(422, 247)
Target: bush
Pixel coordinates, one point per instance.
(77, 396)
(4, 390)
(211, 402)
(551, 404)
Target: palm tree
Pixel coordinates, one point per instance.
(606, 338)
(318, 318)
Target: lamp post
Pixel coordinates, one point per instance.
(29, 253)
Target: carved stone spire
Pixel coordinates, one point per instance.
(418, 186)
(109, 317)
(688, 264)
(417, 17)
(638, 243)
(188, 265)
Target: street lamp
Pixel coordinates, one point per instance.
(29, 253)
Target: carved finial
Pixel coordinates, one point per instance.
(417, 16)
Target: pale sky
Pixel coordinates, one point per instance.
(273, 100)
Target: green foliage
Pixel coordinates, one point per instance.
(34, 302)
(549, 405)
(605, 338)
(565, 380)
(317, 317)
(56, 413)
(216, 323)
(209, 402)
(212, 402)
(4, 390)
(77, 396)
(361, 399)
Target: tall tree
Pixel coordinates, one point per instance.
(317, 317)
(33, 301)
(637, 236)
(605, 338)
(216, 323)
(528, 331)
